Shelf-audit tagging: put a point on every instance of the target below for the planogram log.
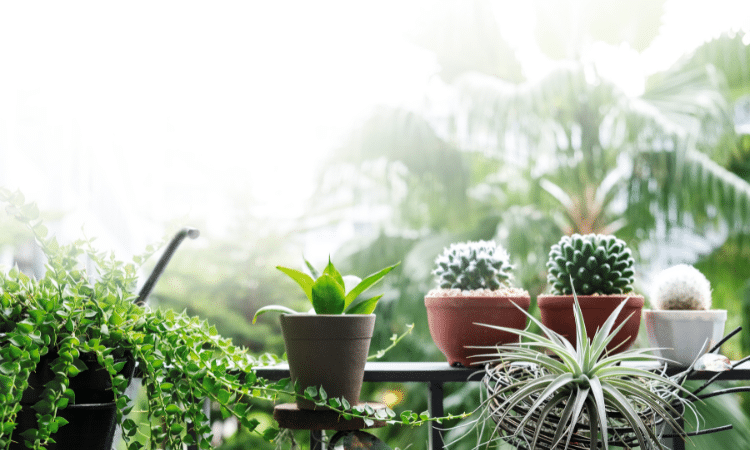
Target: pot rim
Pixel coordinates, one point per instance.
(325, 315)
(504, 302)
(685, 312)
(550, 300)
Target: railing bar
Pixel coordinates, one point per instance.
(435, 409)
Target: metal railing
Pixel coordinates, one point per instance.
(436, 374)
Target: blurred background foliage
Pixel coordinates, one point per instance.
(517, 157)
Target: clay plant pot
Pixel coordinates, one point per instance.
(557, 314)
(328, 350)
(680, 335)
(453, 320)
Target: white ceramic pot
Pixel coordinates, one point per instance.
(681, 335)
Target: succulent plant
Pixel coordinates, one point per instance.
(592, 264)
(681, 287)
(474, 265)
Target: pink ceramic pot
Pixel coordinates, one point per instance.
(557, 314)
(453, 322)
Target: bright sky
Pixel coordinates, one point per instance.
(231, 94)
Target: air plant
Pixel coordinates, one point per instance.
(545, 392)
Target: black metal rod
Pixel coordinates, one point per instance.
(724, 339)
(700, 432)
(718, 374)
(435, 408)
(163, 261)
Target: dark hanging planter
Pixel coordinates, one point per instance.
(92, 420)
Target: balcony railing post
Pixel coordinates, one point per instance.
(435, 408)
(316, 440)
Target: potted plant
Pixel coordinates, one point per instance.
(546, 392)
(69, 342)
(328, 346)
(599, 269)
(473, 286)
(681, 324)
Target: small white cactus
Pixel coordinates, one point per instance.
(681, 287)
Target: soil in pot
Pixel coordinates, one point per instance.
(452, 320)
(557, 314)
(329, 351)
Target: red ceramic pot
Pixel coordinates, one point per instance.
(557, 314)
(453, 322)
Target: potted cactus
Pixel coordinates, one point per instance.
(681, 323)
(473, 287)
(599, 269)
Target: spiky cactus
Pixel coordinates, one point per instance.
(473, 265)
(595, 263)
(681, 287)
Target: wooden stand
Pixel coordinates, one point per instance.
(288, 415)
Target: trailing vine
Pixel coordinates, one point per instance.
(71, 316)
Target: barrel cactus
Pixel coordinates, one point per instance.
(681, 287)
(473, 265)
(592, 264)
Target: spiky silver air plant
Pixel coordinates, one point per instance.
(681, 287)
(473, 265)
(595, 263)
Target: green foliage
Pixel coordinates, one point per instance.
(546, 383)
(589, 264)
(327, 293)
(473, 265)
(70, 315)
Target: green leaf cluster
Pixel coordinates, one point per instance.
(327, 292)
(80, 317)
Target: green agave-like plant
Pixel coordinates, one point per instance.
(545, 392)
(328, 293)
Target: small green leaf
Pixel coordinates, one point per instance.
(365, 306)
(172, 409)
(327, 295)
(311, 392)
(331, 270)
(303, 279)
(270, 434)
(367, 283)
(273, 308)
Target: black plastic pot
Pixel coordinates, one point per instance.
(91, 427)
(92, 420)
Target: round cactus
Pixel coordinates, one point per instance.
(594, 263)
(473, 265)
(681, 287)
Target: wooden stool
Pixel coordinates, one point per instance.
(288, 415)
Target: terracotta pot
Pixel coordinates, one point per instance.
(452, 324)
(328, 350)
(680, 336)
(557, 314)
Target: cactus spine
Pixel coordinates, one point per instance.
(681, 287)
(473, 265)
(594, 263)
